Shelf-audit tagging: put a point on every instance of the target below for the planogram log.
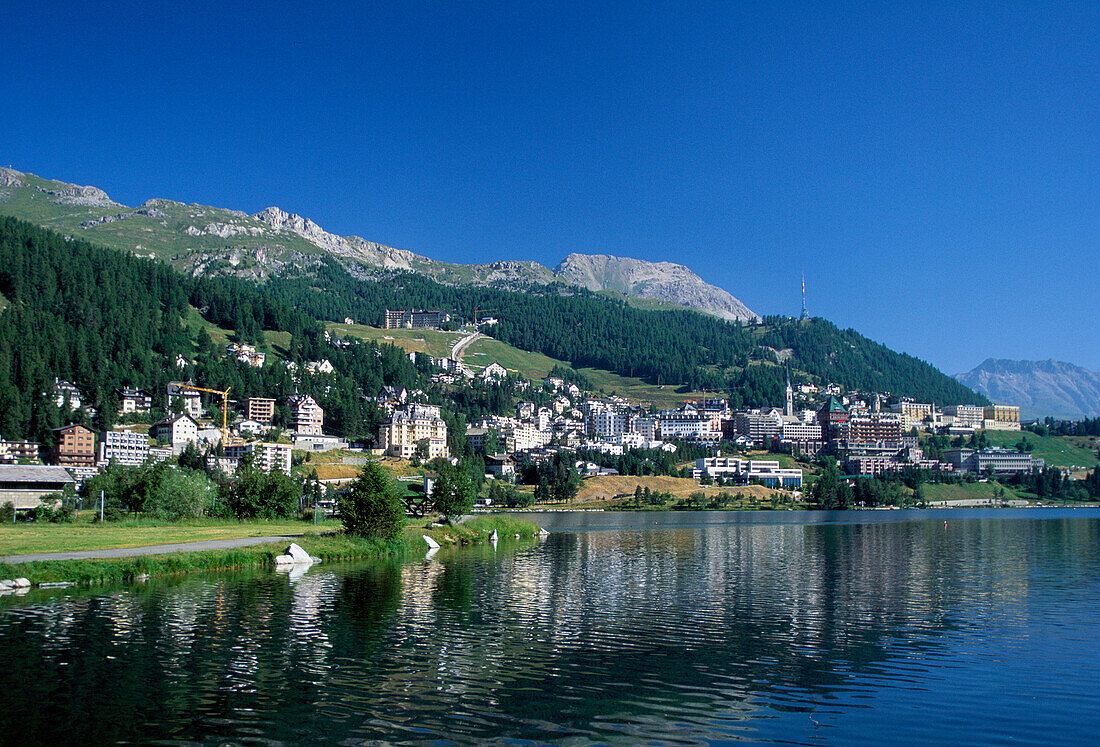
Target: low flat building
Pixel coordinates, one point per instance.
(24, 485)
(995, 460)
(766, 472)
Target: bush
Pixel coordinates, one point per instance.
(179, 495)
(371, 507)
(7, 513)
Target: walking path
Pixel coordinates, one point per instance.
(461, 345)
(129, 552)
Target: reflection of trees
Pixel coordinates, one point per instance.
(589, 629)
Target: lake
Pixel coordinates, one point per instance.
(668, 628)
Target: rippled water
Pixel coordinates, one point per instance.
(699, 628)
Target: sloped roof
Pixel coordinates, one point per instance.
(33, 473)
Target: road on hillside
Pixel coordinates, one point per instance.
(461, 345)
(129, 552)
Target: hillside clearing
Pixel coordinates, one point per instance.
(607, 487)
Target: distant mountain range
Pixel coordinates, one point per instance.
(203, 240)
(1041, 388)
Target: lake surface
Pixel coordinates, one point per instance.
(668, 628)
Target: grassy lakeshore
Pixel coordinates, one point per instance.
(329, 547)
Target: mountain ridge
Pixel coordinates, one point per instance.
(1041, 388)
(204, 240)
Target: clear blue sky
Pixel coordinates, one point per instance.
(934, 169)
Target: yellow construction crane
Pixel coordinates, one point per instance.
(225, 403)
(479, 310)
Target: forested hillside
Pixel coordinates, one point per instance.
(105, 319)
(663, 346)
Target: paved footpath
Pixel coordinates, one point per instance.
(129, 552)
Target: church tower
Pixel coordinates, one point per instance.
(789, 409)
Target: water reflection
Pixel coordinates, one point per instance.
(678, 634)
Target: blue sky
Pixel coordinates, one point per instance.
(932, 168)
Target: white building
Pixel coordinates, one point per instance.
(767, 472)
(306, 415)
(191, 399)
(177, 430)
(124, 447)
(265, 456)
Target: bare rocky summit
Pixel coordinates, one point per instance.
(661, 281)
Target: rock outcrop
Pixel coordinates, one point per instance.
(661, 281)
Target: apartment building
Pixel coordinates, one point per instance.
(260, 409)
(1001, 418)
(177, 430)
(132, 399)
(74, 446)
(307, 417)
(265, 456)
(415, 319)
(410, 426)
(124, 447)
(191, 400)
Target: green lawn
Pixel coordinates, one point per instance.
(433, 342)
(20, 539)
(532, 366)
(1057, 451)
(966, 491)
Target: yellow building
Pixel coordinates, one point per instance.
(411, 426)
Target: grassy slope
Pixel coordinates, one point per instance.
(434, 343)
(966, 491)
(602, 488)
(1058, 451)
(532, 366)
(277, 342)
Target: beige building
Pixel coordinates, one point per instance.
(260, 409)
(74, 446)
(913, 414)
(966, 416)
(1001, 418)
(410, 426)
(306, 415)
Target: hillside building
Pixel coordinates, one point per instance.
(306, 416)
(74, 446)
(415, 319)
(132, 399)
(191, 400)
(266, 457)
(124, 447)
(1001, 418)
(410, 426)
(177, 430)
(260, 409)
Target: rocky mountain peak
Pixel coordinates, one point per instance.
(661, 281)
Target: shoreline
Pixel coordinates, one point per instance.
(329, 547)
